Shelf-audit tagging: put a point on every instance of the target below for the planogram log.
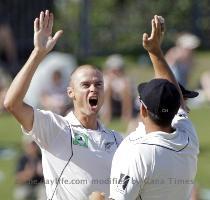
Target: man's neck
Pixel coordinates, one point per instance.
(88, 121)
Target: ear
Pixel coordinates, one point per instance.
(144, 111)
(70, 92)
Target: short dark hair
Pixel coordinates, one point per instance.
(159, 121)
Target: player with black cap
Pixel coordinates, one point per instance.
(162, 163)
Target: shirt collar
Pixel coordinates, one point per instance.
(175, 141)
(72, 119)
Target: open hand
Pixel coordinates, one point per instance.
(43, 40)
(152, 43)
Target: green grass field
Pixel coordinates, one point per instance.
(10, 132)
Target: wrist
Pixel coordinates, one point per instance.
(156, 52)
(39, 52)
(37, 56)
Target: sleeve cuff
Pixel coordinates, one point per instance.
(26, 132)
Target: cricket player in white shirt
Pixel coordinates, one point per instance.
(159, 160)
(77, 150)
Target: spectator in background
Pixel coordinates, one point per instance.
(8, 51)
(53, 96)
(118, 90)
(180, 57)
(5, 81)
(29, 175)
(205, 84)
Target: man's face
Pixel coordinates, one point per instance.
(87, 91)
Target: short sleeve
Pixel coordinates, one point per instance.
(127, 175)
(46, 127)
(182, 122)
(180, 117)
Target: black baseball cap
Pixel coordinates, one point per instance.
(161, 98)
(188, 93)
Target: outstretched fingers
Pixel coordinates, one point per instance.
(162, 23)
(145, 38)
(153, 41)
(153, 32)
(46, 18)
(36, 25)
(57, 35)
(157, 25)
(44, 21)
(41, 20)
(43, 38)
(50, 24)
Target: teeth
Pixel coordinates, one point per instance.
(94, 98)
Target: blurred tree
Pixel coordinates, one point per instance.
(117, 25)
(20, 15)
(67, 18)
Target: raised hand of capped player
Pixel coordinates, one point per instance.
(43, 39)
(152, 43)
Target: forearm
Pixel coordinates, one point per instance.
(20, 84)
(43, 44)
(161, 67)
(162, 70)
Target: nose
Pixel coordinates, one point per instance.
(93, 88)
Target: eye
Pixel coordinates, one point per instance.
(85, 85)
(99, 84)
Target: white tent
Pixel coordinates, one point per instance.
(63, 62)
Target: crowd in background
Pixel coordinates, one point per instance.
(51, 81)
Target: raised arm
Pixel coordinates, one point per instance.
(152, 44)
(43, 44)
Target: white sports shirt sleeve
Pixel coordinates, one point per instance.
(182, 121)
(47, 126)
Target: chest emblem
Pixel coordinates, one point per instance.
(81, 140)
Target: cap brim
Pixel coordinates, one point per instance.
(188, 93)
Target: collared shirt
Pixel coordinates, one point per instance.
(76, 161)
(157, 165)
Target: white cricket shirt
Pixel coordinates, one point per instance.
(158, 165)
(90, 153)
